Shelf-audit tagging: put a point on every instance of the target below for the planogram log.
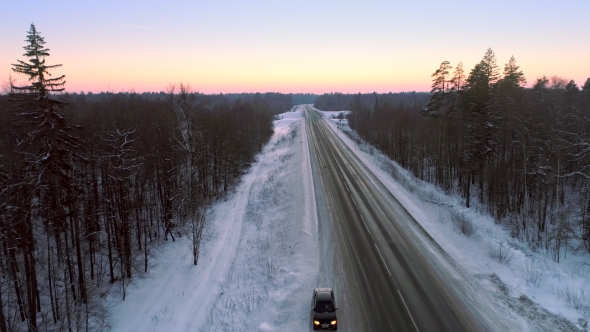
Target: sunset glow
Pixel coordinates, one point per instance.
(294, 47)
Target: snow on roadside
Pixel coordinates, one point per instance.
(525, 285)
(174, 294)
(258, 263)
(268, 287)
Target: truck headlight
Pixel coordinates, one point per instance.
(316, 322)
(333, 322)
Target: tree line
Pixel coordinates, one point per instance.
(278, 102)
(522, 153)
(336, 102)
(91, 183)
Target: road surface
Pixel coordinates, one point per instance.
(383, 279)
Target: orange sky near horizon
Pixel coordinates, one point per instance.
(332, 46)
(122, 74)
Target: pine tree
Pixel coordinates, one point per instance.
(541, 84)
(586, 92)
(586, 87)
(511, 85)
(479, 89)
(441, 106)
(512, 75)
(490, 67)
(440, 88)
(571, 94)
(480, 111)
(458, 80)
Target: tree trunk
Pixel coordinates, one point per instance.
(31, 288)
(3, 327)
(80, 261)
(50, 276)
(13, 268)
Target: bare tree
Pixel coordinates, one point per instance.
(7, 87)
(197, 224)
(76, 213)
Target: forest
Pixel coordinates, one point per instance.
(520, 153)
(91, 184)
(336, 102)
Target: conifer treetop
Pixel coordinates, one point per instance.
(512, 74)
(36, 69)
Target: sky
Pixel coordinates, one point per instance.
(293, 46)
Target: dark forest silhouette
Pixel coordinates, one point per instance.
(90, 183)
(521, 153)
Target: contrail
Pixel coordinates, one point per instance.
(130, 25)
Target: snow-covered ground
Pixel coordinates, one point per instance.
(260, 259)
(534, 291)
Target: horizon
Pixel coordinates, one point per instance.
(302, 47)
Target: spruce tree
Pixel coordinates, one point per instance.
(37, 71)
(49, 144)
(49, 152)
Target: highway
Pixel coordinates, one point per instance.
(384, 280)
